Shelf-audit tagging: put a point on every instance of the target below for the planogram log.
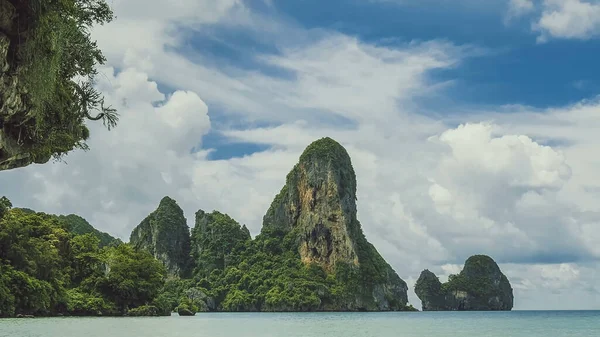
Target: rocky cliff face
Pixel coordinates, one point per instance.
(14, 104)
(318, 206)
(165, 234)
(479, 286)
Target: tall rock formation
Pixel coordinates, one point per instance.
(317, 206)
(479, 286)
(217, 241)
(165, 234)
(14, 104)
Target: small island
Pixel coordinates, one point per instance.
(479, 286)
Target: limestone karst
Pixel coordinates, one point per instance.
(481, 285)
(164, 233)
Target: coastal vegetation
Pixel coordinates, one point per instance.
(46, 269)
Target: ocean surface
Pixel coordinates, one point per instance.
(397, 324)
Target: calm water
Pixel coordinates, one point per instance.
(430, 324)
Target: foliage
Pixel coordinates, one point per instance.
(320, 158)
(164, 233)
(85, 257)
(133, 279)
(78, 225)
(55, 59)
(411, 308)
(144, 310)
(187, 304)
(475, 278)
(325, 149)
(264, 274)
(82, 303)
(5, 205)
(481, 281)
(46, 270)
(217, 241)
(268, 274)
(428, 284)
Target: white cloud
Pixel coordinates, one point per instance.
(500, 189)
(568, 19)
(517, 8)
(558, 19)
(429, 194)
(539, 287)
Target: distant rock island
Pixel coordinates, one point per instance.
(479, 286)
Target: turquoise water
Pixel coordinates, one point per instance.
(403, 324)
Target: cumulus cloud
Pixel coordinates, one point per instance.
(558, 19)
(568, 19)
(502, 188)
(429, 193)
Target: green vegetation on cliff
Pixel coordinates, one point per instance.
(47, 69)
(46, 270)
(311, 254)
(479, 286)
(165, 234)
(267, 274)
(217, 241)
(79, 226)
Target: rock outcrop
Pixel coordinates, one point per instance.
(14, 104)
(46, 57)
(216, 237)
(317, 206)
(165, 234)
(479, 286)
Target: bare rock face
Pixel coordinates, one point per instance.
(318, 205)
(14, 104)
(165, 234)
(319, 202)
(479, 286)
(429, 289)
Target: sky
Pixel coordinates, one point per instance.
(471, 126)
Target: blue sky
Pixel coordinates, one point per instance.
(472, 126)
(511, 68)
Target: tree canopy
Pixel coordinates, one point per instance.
(45, 269)
(49, 60)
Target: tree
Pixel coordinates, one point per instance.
(86, 257)
(45, 269)
(133, 278)
(34, 264)
(51, 62)
(5, 205)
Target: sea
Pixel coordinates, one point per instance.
(388, 324)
